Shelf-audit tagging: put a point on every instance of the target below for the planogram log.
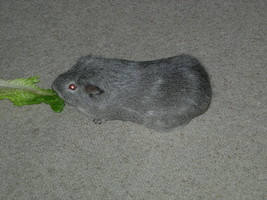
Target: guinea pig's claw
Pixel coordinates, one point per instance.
(98, 121)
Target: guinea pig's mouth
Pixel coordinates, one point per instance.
(62, 97)
(55, 89)
(58, 94)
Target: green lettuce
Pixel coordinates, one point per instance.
(25, 92)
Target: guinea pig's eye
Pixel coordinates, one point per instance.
(72, 87)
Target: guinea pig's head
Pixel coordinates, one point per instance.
(75, 88)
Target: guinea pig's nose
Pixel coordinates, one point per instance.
(55, 84)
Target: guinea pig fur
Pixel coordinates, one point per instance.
(160, 94)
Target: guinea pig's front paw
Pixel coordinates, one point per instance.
(98, 121)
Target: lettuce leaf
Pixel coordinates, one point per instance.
(25, 92)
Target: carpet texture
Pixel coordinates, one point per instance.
(219, 155)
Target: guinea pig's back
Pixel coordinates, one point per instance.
(177, 83)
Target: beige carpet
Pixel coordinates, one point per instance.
(220, 155)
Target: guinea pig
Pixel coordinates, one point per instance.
(160, 94)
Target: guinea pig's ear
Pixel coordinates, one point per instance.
(93, 90)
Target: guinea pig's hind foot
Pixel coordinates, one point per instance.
(98, 121)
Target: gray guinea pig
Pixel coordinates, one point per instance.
(160, 94)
